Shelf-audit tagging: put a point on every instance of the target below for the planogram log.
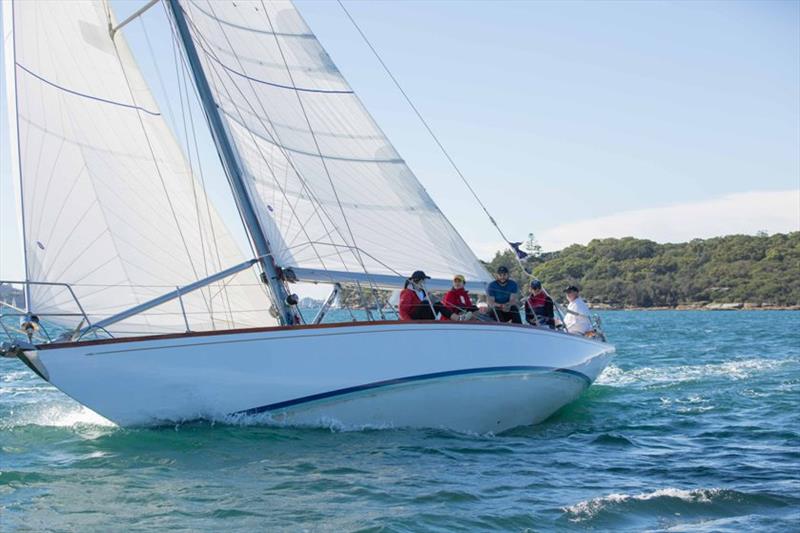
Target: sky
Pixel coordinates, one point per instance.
(571, 120)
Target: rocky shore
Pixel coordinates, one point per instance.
(710, 306)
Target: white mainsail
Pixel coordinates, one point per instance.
(110, 204)
(331, 191)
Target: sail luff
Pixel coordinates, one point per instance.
(274, 139)
(231, 164)
(10, 61)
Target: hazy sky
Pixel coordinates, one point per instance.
(572, 120)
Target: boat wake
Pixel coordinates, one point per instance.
(615, 376)
(56, 414)
(269, 420)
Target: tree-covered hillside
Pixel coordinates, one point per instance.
(641, 273)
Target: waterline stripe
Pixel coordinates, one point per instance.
(409, 379)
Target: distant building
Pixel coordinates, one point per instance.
(310, 303)
(11, 296)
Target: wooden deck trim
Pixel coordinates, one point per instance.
(264, 329)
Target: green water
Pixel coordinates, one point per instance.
(695, 426)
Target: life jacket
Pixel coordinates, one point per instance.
(537, 300)
(457, 301)
(408, 300)
(540, 305)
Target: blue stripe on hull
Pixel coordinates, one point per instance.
(409, 379)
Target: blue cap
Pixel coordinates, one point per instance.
(536, 284)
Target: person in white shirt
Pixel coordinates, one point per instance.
(577, 320)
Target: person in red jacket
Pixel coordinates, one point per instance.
(414, 301)
(539, 307)
(457, 300)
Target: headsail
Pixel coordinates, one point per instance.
(110, 205)
(331, 191)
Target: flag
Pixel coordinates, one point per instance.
(515, 246)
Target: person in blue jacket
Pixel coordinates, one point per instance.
(502, 295)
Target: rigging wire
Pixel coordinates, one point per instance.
(322, 159)
(431, 132)
(186, 70)
(275, 140)
(181, 84)
(214, 240)
(153, 154)
(158, 70)
(263, 157)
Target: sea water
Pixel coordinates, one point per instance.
(694, 426)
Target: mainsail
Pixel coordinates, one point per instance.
(330, 190)
(110, 204)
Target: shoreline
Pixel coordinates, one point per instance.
(699, 307)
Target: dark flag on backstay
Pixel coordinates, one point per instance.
(515, 246)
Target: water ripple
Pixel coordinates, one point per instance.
(694, 427)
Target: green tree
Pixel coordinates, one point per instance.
(639, 272)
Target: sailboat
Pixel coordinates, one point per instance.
(166, 319)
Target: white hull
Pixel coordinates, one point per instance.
(468, 377)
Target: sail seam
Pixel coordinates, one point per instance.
(198, 37)
(356, 255)
(319, 151)
(84, 95)
(430, 131)
(393, 161)
(213, 16)
(278, 85)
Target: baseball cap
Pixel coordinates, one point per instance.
(502, 270)
(536, 284)
(418, 275)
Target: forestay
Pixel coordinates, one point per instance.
(110, 205)
(331, 191)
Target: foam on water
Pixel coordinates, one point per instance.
(615, 376)
(587, 509)
(672, 504)
(323, 422)
(50, 414)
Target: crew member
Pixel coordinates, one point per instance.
(539, 307)
(577, 318)
(415, 303)
(457, 300)
(501, 295)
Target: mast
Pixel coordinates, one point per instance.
(9, 30)
(232, 167)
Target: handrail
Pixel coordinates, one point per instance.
(52, 284)
(164, 298)
(101, 325)
(22, 312)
